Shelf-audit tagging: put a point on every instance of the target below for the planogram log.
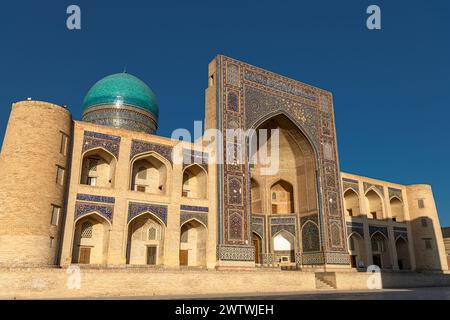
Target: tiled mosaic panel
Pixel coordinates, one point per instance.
(236, 253)
(84, 208)
(310, 237)
(136, 208)
(200, 216)
(350, 184)
(93, 198)
(395, 193)
(377, 187)
(263, 94)
(93, 140)
(355, 227)
(194, 156)
(400, 232)
(139, 147)
(383, 230)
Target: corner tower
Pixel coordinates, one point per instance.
(123, 101)
(33, 164)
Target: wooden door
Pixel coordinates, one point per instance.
(274, 208)
(257, 245)
(151, 255)
(183, 257)
(85, 255)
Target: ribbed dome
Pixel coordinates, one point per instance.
(122, 89)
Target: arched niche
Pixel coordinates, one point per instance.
(149, 174)
(195, 182)
(98, 168)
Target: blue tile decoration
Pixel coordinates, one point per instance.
(395, 193)
(377, 187)
(137, 208)
(282, 220)
(310, 237)
(92, 198)
(194, 208)
(186, 216)
(258, 227)
(94, 140)
(125, 117)
(383, 230)
(350, 184)
(279, 85)
(355, 227)
(313, 217)
(236, 253)
(195, 156)
(84, 208)
(139, 147)
(400, 232)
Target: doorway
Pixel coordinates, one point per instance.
(184, 257)
(151, 255)
(85, 255)
(257, 244)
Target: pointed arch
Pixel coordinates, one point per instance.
(94, 214)
(149, 213)
(98, 168)
(141, 249)
(157, 170)
(375, 203)
(351, 202)
(282, 197)
(195, 182)
(196, 220)
(397, 209)
(310, 237)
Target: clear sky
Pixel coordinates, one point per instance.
(391, 87)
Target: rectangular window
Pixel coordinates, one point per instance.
(92, 181)
(424, 222)
(55, 215)
(350, 212)
(64, 143)
(374, 214)
(428, 244)
(60, 172)
(140, 188)
(421, 203)
(51, 241)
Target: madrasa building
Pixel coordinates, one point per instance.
(106, 191)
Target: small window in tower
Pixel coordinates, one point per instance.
(60, 171)
(64, 144)
(92, 181)
(421, 203)
(86, 230)
(424, 222)
(55, 215)
(428, 245)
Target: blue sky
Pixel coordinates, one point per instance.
(391, 87)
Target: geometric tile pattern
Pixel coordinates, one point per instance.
(94, 140)
(136, 208)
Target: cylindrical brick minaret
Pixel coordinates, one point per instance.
(36, 149)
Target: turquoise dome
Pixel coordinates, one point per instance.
(122, 89)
